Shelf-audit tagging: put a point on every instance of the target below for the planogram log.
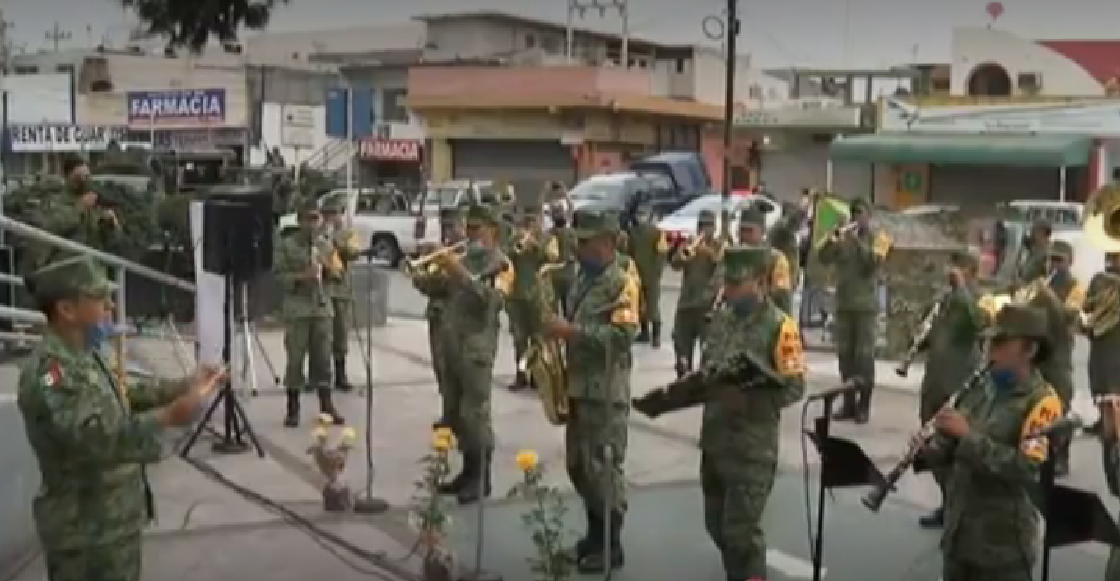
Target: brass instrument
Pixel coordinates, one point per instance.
(1101, 224)
(874, 499)
(844, 230)
(1101, 311)
(919, 340)
(320, 266)
(992, 304)
(689, 252)
(544, 359)
(426, 264)
(524, 242)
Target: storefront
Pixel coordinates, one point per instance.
(38, 148)
(187, 120)
(513, 161)
(396, 161)
(982, 155)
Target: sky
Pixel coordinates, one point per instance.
(777, 33)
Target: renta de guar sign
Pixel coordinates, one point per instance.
(177, 107)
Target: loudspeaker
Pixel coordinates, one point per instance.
(237, 231)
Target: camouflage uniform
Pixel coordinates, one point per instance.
(783, 237)
(520, 306)
(739, 433)
(307, 314)
(1104, 365)
(696, 295)
(470, 328)
(778, 278)
(1064, 319)
(1035, 264)
(602, 307)
(338, 284)
(92, 440)
(952, 355)
(565, 239)
(62, 215)
(649, 247)
(857, 258)
(991, 522)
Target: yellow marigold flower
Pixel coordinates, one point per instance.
(320, 434)
(440, 444)
(527, 460)
(444, 432)
(325, 420)
(349, 435)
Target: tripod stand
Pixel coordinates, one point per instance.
(250, 340)
(236, 421)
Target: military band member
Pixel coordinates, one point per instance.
(1064, 322)
(697, 263)
(1100, 313)
(599, 328)
(752, 229)
(307, 313)
(783, 236)
(952, 352)
(529, 251)
(649, 248)
(991, 522)
(76, 214)
(1035, 253)
(562, 233)
(338, 284)
(433, 284)
(478, 283)
(857, 252)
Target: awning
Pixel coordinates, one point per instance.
(1022, 150)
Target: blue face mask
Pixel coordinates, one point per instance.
(1061, 275)
(1003, 379)
(744, 305)
(97, 333)
(592, 266)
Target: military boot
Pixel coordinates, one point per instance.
(643, 334)
(595, 561)
(326, 406)
(520, 381)
(591, 540)
(1061, 458)
(848, 408)
(453, 486)
(863, 407)
(933, 520)
(477, 487)
(291, 415)
(1095, 429)
(655, 335)
(341, 383)
(682, 366)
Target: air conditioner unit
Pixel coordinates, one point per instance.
(1030, 83)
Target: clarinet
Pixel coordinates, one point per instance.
(874, 499)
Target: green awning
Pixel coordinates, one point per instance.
(1022, 150)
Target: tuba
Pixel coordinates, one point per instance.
(544, 360)
(1101, 226)
(1101, 311)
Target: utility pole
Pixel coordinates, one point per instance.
(580, 7)
(56, 35)
(727, 28)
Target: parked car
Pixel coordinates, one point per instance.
(681, 225)
(676, 178)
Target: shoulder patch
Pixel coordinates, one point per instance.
(789, 354)
(779, 272)
(52, 376)
(1076, 298)
(882, 244)
(503, 281)
(1045, 412)
(628, 303)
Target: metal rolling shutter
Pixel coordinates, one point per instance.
(983, 185)
(523, 163)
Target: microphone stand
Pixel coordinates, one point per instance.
(821, 428)
(1046, 480)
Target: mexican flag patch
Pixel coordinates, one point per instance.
(53, 376)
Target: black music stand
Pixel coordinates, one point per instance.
(1072, 516)
(843, 464)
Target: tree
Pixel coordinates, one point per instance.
(192, 24)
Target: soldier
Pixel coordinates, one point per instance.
(991, 523)
(649, 248)
(307, 313)
(857, 253)
(697, 263)
(1035, 253)
(528, 252)
(347, 249)
(565, 239)
(752, 227)
(1103, 332)
(953, 352)
(90, 519)
(1065, 316)
(784, 237)
(600, 326)
(75, 215)
(434, 285)
(478, 282)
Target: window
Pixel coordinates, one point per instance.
(680, 66)
(551, 45)
(26, 70)
(755, 92)
(68, 69)
(530, 41)
(393, 105)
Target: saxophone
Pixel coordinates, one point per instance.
(544, 360)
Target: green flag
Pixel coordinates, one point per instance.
(830, 213)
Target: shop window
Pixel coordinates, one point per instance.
(393, 105)
(755, 92)
(530, 41)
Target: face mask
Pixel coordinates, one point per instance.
(97, 333)
(744, 305)
(1061, 274)
(592, 266)
(560, 221)
(1003, 379)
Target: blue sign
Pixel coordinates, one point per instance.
(339, 106)
(166, 107)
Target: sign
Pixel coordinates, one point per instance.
(39, 99)
(297, 126)
(798, 113)
(1097, 118)
(911, 184)
(390, 149)
(350, 113)
(46, 138)
(202, 106)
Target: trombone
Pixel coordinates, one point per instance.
(424, 264)
(689, 252)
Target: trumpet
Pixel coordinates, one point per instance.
(689, 252)
(524, 242)
(874, 499)
(424, 264)
(844, 230)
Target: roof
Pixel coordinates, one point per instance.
(1013, 150)
(1099, 58)
(557, 26)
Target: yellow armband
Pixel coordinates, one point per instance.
(552, 251)
(789, 355)
(1076, 298)
(779, 272)
(1045, 412)
(626, 309)
(882, 245)
(503, 281)
(662, 243)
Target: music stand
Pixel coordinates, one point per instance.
(843, 464)
(1072, 516)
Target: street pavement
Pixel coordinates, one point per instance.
(207, 532)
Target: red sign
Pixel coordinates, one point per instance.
(390, 149)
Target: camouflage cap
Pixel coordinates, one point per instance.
(593, 223)
(1061, 249)
(75, 277)
(743, 262)
(482, 215)
(706, 217)
(1022, 322)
